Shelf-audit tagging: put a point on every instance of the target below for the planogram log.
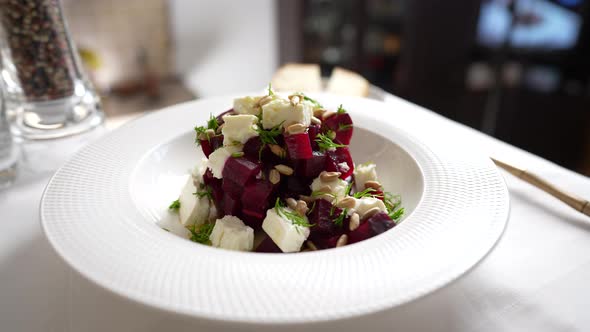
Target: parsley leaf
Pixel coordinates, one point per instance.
(293, 217)
(326, 143)
(201, 234)
(174, 205)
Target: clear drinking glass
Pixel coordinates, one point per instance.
(8, 151)
(46, 92)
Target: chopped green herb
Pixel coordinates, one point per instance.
(326, 143)
(166, 229)
(340, 110)
(340, 219)
(397, 214)
(347, 189)
(200, 130)
(270, 92)
(313, 101)
(342, 126)
(201, 234)
(204, 192)
(365, 193)
(293, 217)
(268, 136)
(174, 205)
(312, 207)
(320, 193)
(237, 154)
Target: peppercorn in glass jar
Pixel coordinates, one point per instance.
(45, 88)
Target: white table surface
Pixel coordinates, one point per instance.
(535, 279)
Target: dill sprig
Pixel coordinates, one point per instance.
(270, 91)
(204, 191)
(340, 219)
(340, 110)
(201, 234)
(268, 136)
(342, 126)
(326, 143)
(293, 217)
(365, 193)
(320, 193)
(174, 205)
(212, 123)
(397, 214)
(392, 204)
(313, 101)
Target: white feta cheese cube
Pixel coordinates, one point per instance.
(281, 111)
(239, 128)
(363, 173)
(287, 236)
(364, 204)
(231, 233)
(199, 170)
(247, 105)
(337, 188)
(218, 158)
(193, 210)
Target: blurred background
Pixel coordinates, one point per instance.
(517, 70)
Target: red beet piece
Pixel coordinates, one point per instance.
(334, 160)
(231, 188)
(212, 144)
(220, 120)
(267, 245)
(252, 148)
(322, 217)
(231, 206)
(298, 146)
(375, 225)
(240, 170)
(293, 186)
(257, 194)
(253, 219)
(313, 132)
(312, 167)
(341, 124)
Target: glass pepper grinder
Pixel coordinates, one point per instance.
(46, 91)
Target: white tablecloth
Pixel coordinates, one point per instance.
(535, 279)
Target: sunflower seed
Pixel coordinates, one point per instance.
(327, 114)
(329, 176)
(316, 121)
(295, 99)
(311, 246)
(264, 100)
(318, 113)
(371, 212)
(373, 185)
(346, 203)
(342, 240)
(301, 208)
(274, 177)
(284, 169)
(277, 150)
(291, 202)
(296, 128)
(355, 221)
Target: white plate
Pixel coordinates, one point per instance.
(100, 211)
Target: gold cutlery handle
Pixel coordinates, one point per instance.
(574, 201)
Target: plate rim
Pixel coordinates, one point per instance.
(155, 304)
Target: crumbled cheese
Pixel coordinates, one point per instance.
(218, 158)
(363, 173)
(231, 233)
(239, 128)
(337, 188)
(281, 111)
(287, 236)
(247, 105)
(364, 204)
(193, 210)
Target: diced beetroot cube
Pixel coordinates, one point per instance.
(253, 219)
(257, 196)
(293, 186)
(267, 245)
(374, 225)
(341, 124)
(231, 188)
(313, 132)
(231, 206)
(240, 170)
(335, 160)
(312, 167)
(212, 144)
(322, 216)
(298, 146)
(326, 242)
(252, 148)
